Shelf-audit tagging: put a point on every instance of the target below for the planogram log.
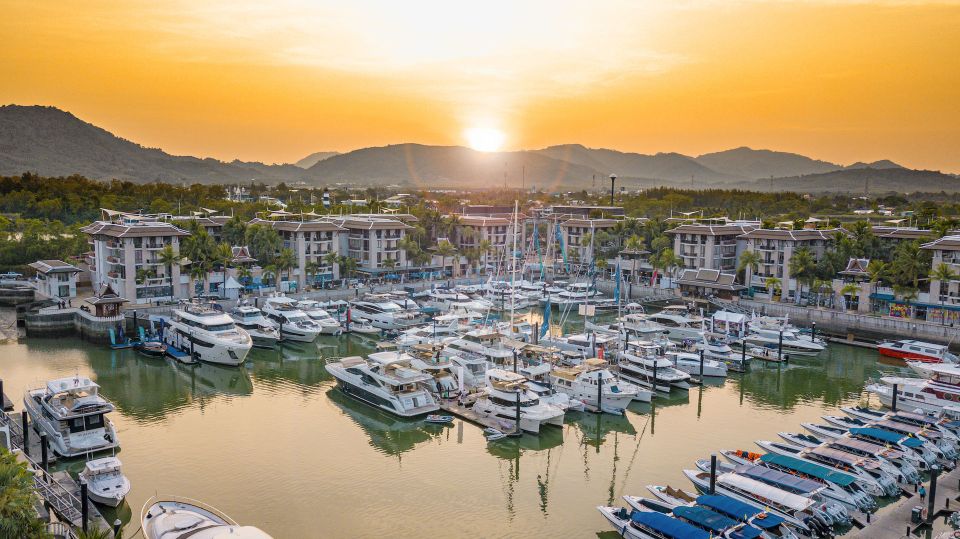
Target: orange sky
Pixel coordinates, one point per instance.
(273, 81)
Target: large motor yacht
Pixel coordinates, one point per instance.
(261, 329)
(766, 332)
(678, 324)
(933, 395)
(593, 384)
(386, 315)
(385, 380)
(208, 334)
(643, 360)
(328, 324)
(504, 390)
(180, 518)
(294, 324)
(575, 294)
(484, 344)
(71, 412)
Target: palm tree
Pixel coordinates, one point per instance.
(198, 270)
(773, 286)
(445, 249)
(17, 492)
(389, 263)
(311, 269)
(95, 532)
(484, 249)
(269, 272)
(331, 259)
(168, 257)
(944, 274)
(347, 266)
(801, 268)
(749, 260)
(850, 289)
(634, 243)
(285, 261)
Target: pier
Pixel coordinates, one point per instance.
(457, 410)
(894, 519)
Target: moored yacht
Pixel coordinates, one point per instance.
(386, 315)
(678, 324)
(328, 324)
(385, 380)
(208, 334)
(917, 351)
(940, 391)
(262, 330)
(593, 384)
(105, 481)
(644, 362)
(767, 332)
(71, 412)
(294, 324)
(180, 518)
(504, 391)
(484, 344)
(574, 294)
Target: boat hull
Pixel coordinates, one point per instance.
(906, 355)
(379, 401)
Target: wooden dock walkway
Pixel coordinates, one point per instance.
(67, 489)
(893, 521)
(13, 421)
(454, 408)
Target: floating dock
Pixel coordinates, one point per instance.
(894, 520)
(467, 414)
(65, 488)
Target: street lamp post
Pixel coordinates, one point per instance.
(613, 180)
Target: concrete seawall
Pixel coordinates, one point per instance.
(58, 322)
(13, 295)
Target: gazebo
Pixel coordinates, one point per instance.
(106, 302)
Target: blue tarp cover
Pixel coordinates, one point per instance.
(887, 436)
(738, 510)
(808, 468)
(705, 518)
(669, 527)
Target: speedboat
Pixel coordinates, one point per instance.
(182, 518)
(71, 412)
(504, 390)
(105, 482)
(869, 414)
(208, 334)
(262, 330)
(154, 349)
(593, 384)
(772, 526)
(647, 524)
(293, 323)
(899, 464)
(328, 324)
(867, 470)
(385, 380)
(922, 351)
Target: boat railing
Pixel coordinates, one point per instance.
(187, 501)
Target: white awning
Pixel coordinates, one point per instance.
(232, 284)
(774, 494)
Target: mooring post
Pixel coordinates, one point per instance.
(893, 405)
(116, 528)
(654, 375)
(713, 473)
(813, 332)
(599, 392)
(518, 410)
(85, 512)
(780, 348)
(43, 452)
(701, 366)
(743, 355)
(934, 474)
(25, 423)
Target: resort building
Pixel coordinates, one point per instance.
(776, 248)
(125, 248)
(311, 243)
(56, 279)
(470, 231)
(576, 233)
(373, 241)
(946, 250)
(703, 246)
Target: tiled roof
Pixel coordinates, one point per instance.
(793, 235)
(54, 266)
(138, 230)
(711, 230)
(946, 243)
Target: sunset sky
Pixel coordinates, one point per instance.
(273, 81)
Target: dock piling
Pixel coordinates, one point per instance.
(24, 423)
(934, 474)
(701, 365)
(743, 355)
(893, 405)
(85, 511)
(599, 393)
(654, 376)
(517, 429)
(44, 460)
(813, 331)
(713, 473)
(780, 348)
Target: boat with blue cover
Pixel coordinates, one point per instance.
(770, 525)
(903, 442)
(650, 524)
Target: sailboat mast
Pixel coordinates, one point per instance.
(513, 263)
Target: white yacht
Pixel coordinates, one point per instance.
(385, 380)
(428, 360)
(934, 395)
(639, 326)
(293, 323)
(678, 324)
(261, 329)
(105, 481)
(444, 299)
(766, 332)
(585, 344)
(208, 334)
(72, 414)
(689, 363)
(574, 294)
(484, 344)
(328, 324)
(386, 315)
(180, 518)
(638, 362)
(593, 384)
(503, 390)
(470, 368)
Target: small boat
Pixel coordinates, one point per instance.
(151, 348)
(363, 327)
(439, 419)
(493, 434)
(106, 483)
(917, 351)
(183, 518)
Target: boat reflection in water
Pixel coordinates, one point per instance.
(389, 434)
(594, 428)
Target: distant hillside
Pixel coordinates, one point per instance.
(859, 180)
(51, 142)
(883, 163)
(451, 166)
(670, 168)
(314, 158)
(753, 164)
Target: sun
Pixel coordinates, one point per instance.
(484, 139)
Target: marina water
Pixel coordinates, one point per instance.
(274, 444)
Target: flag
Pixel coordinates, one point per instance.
(546, 318)
(616, 289)
(560, 245)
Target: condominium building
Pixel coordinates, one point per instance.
(576, 234)
(125, 250)
(703, 246)
(776, 248)
(311, 243)
(373, 241)
(945, 250)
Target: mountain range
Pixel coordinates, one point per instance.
(53, 142)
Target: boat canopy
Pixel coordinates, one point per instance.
(864, 445)
(887, 436)
(734, 508)
(785, 481)
(667, 526)
(78, 383)
(704, 518)
(791, 501)
(808, 468)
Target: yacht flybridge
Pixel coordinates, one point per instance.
(328, 324)
(383, 314)
(385, 380)
(208, 334)
(262, 330)
(593, 384)
(71, 412)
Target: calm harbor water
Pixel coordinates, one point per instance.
(274, 444)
